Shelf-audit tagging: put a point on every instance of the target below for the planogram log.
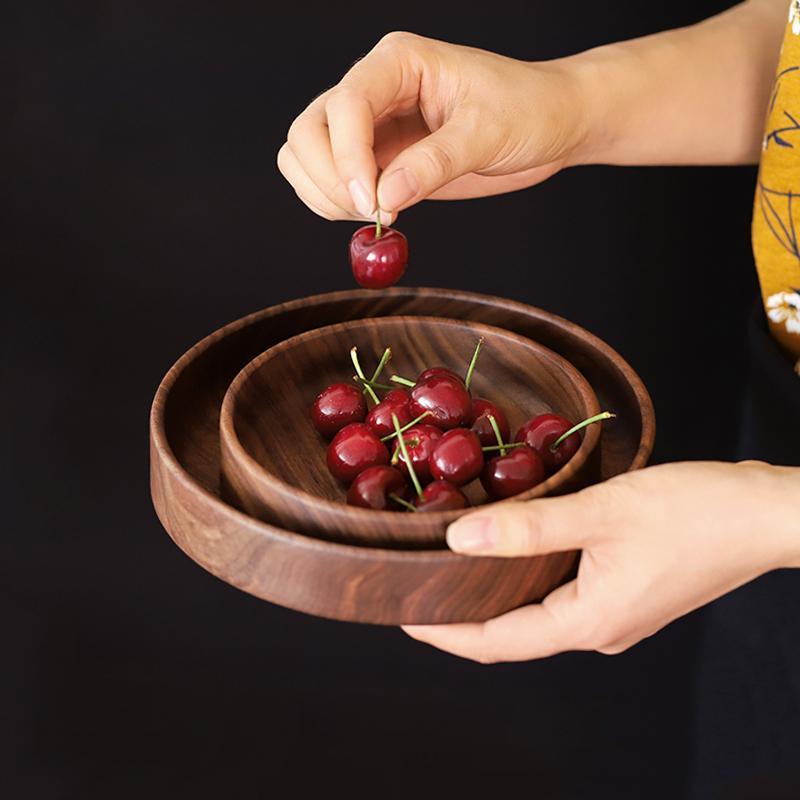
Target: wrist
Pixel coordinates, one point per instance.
(776, 496)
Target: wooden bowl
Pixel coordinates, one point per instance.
(363, 584)
(273, 460)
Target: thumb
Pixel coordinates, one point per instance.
(550, 525)
(427, 165)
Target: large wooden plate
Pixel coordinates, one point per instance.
(344, 581)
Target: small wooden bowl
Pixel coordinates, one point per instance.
(273, 460)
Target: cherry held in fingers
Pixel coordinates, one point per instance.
(517, 471)
(354, 449)
(420, 441)
(447, 400)
(338, 405)
(373, 488)
(457, 457)
(441, 496)
(378, 256)
(479, 422)
(398, 401)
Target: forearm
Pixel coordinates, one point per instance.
(695, 95)
(778, 493)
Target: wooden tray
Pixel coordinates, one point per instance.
(351, 582)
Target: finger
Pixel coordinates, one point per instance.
(310, 142)
(450, 152)
(308, 191)
(535, 631)
(351, 127)
(550, 525)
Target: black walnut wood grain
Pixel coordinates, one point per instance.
(273, 459)
(338, 581)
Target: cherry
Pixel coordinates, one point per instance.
(540, 432)
(354, 449)
(437, 372)
(479, 421)
(378, 257)
(337, 406)
(373, 488)
(398, 401)
(420, 441)
(446, 398)
(441, 496)
(457, 457)
(515, 472)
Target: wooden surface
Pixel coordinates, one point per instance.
(342, 581)
(273, 460)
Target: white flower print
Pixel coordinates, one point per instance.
(794, 16)
(785, 307)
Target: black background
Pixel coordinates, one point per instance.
(141, 210)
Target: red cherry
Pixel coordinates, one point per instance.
(457, 457)
(446, 398)
(337, 406)
(540, 432)
(378, 262)
(372, 487)
(380, 418)
(437, 372)
(479, 422)
(517, 471)
(420, 441)
(441, 496)
(354, 449)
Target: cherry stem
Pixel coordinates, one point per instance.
(409, 443)
(385, 359)
(596, 418)
(407, 425)
(471, 369)
(373, 384)
(402, 381)
(378, 224)
(360, 372)
(503, 446)
(406, 505)
(402, 442)
(496, 428)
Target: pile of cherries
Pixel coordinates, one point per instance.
(440, 438)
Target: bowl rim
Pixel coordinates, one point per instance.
(166, 467)
(264, 479)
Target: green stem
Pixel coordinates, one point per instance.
(360, 373)
(596, 418)
(402, 442)
(378, 224)
(407, 425)
(409, 443)
(402, 381)
(496, 428)
(385, 359)
(399, 500)
(374, 384)
(471, 369)
(491, 447)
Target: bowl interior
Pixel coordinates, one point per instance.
(266, 409)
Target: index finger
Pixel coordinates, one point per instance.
(384, 81)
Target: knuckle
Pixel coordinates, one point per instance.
(439, 158)
(397, 40)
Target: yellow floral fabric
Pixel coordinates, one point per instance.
(776, 213)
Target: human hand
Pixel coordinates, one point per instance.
(657, 543)
(435, 120)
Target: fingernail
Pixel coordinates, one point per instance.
(360, 199)
(386, 218)
(471, 535)
(398, 188)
